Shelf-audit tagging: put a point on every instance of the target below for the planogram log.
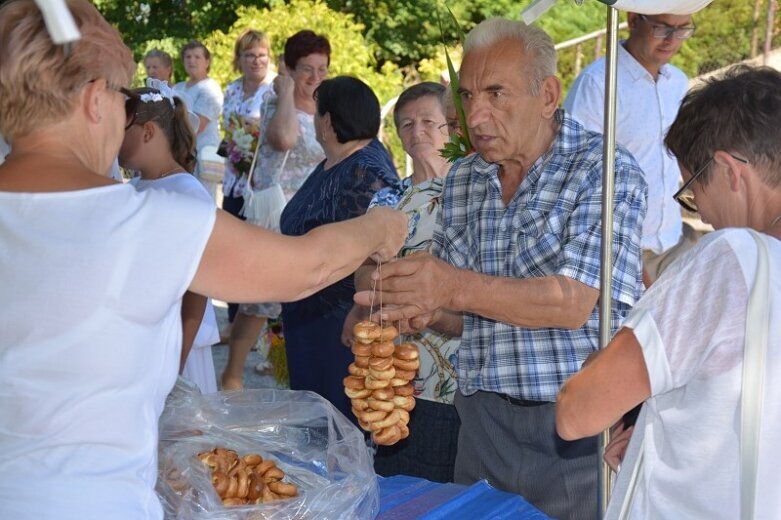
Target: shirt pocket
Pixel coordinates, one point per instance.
(457, 249)
(537, 244)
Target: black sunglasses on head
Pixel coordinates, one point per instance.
(131, 105)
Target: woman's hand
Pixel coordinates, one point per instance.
(393, 224)
(284, 86)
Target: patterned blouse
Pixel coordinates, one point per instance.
(436, 379)
(248, 109)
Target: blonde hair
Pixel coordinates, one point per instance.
(246, 40)
(40, 81)
(537, 45)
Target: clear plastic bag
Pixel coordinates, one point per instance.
(319, 450)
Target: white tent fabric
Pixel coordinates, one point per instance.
(538, 7)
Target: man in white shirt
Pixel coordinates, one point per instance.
(649, 92)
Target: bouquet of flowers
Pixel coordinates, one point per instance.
(241, 138)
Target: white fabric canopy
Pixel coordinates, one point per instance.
(538, 7)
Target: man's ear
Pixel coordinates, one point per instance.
(631, 20)
(551, 95)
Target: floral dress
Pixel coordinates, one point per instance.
(436, 379)
(237, 106)
(288, 169)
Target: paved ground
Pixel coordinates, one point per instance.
(220, 355)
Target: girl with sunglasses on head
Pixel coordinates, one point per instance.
(160, 144)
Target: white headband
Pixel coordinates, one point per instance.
(166, 92)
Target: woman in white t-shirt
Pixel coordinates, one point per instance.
(93, 273)
(681, 348)
(160, 144)
(203, 96)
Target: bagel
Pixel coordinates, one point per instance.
(361, 349)
(387, 437)
(406, 351)
(406, 364)
(220, 481)
(372, 416)
(396, 382)
(233, 502)
(357, 394)
(355, 370)
(253, 459)
(267, 496)
(385, 406)
(361, 404)
(386, 375)
(263, 467)
(256, 486)
(382, 349)
(362, 361)
(283, 489)
(354, 382)
(383, 394)
(374, 384)
(380, 363)
(366, 331)
(388, 333)
(409, 375)
(243, 483)
(273, 475)
(233, 486)
(363, 424)
(403, 429)
(390, 420)
(404, 402)
(403, 415)
(217, 462)
(406, 389)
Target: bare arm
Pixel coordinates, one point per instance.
(421, 284)
(614, 382)
(283, 131)
(246, 263)
(193, 307)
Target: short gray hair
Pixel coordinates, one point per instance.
(536, 43)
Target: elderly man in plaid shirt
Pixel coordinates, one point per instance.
(515, 267)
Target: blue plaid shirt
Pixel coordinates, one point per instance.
(552, 226)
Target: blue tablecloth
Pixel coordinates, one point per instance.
(404, 498)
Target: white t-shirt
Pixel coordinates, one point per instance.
(645, 111)
(184, 183)
(691, 326)
(92, 282)
(205, 99)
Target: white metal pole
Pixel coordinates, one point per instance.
(608, 184)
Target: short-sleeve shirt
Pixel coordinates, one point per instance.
(92, 282)
(552, 226)
(248, 108)
(646, 107)
(205, 99)
(691, 326)
(333, 195)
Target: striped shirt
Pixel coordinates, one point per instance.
(552, 226)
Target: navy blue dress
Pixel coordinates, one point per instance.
(317, 359)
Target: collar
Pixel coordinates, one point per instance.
(628, 62)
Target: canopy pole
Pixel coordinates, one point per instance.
(608, 188)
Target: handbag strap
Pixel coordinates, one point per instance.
(248, 188)
(752, 393)
(752, 396)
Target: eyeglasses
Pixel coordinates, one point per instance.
(664, 31)
(685, 196)
(254, 57)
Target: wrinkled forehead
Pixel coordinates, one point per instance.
(502, 63)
